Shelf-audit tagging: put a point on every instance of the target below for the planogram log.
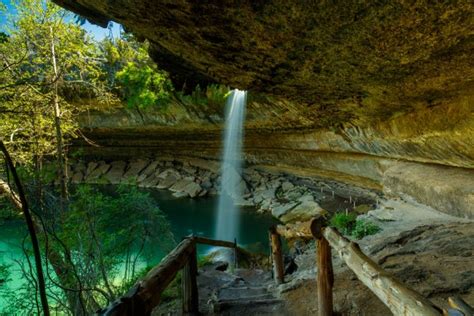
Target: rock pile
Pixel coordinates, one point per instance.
(284, 197)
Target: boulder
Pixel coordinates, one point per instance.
(302, 212)
(281, 209)
(100, 170)
(189, 169)
(286, 186)
(206, 183)
(308, 197)
(211, 165)
(273, 184)
(193, 189)
(244, 202)
(180, 194)
(115, 174)
(266, 194)
(91, 166)
(165, 183)
(150, 169)
(186, 185)
(77, 177)
(169, 172)
(135, 167)
(150, 181)
(295, 193)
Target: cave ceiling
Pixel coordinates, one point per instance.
(346, 60)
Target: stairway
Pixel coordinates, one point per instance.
(242, 292)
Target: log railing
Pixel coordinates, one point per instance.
(399, 298)
(142, 298)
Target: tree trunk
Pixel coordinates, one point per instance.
(57, 125)
(20, 200)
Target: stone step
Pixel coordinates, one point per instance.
(245, 293)
(250, 307)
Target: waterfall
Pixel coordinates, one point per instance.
(228, 217)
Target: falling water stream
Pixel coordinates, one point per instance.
(228, 214)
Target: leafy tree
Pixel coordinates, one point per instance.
(143, 86)
(133, 75)
(48, 64)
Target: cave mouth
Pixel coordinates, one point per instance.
(359, 119)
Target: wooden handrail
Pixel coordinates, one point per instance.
(214, 242)
(144, 296)
(400, 299)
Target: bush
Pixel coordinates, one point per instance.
(343, 222)
(364, 228)
(349, 225)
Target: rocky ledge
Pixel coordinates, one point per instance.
(288, 198)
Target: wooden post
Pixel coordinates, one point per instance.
(277, 255)
(400, 299)
(189, 285)
(325, 277)
(235, 254)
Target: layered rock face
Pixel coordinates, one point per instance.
(375, 94)
(424, 155)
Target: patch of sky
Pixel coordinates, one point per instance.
(97, 32)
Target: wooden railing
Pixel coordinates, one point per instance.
(142, 298)
(399, 298)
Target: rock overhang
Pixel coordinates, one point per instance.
(347, 61)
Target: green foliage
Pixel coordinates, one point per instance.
(113, 236)
(214, 96)
(133, 75)
(173, 290)
(7, 211)
(4, 274)
(204, 261)
(143, 86)
(343, 222)
(349, 225)
(28, 82)
(364, 228)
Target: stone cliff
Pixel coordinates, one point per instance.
(377, 94)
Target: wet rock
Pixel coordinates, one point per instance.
(180, 194)
(244, 202)
(188, 186)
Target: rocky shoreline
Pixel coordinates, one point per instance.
(287, 197)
